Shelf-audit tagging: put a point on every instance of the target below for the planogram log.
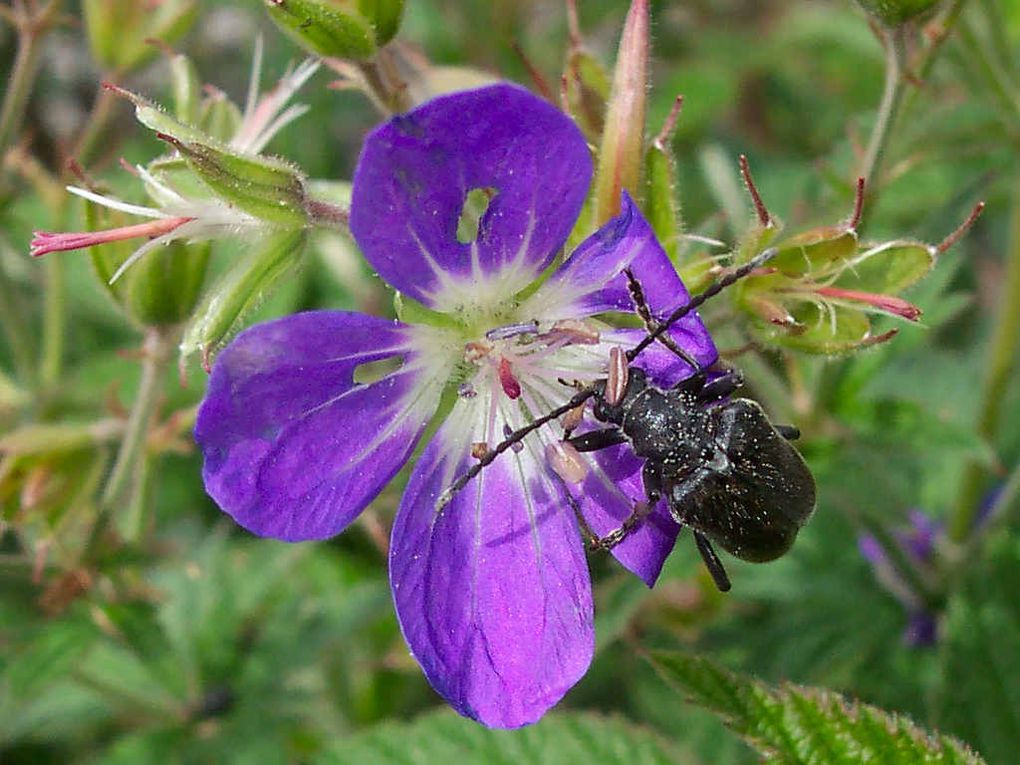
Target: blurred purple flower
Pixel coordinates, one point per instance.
(917, 541)
(492, 591)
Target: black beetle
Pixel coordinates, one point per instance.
(724, 469)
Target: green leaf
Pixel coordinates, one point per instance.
(896, 12)
(51, 654)
(619, 601)
(120, 31)
(49, 438)
(795, 724)
(187, 88)
(558, 738)
(980, 693)
(725, 186)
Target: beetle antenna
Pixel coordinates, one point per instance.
(694, 303)
(516, 437)
(655, 333)
(637, 296)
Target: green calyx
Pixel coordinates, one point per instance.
(348, 29)
(893, 13)
(817, 294)
(241, 289)
(162, 288)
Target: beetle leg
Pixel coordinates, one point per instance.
(590, 536)
(652, 479)
(597, 439)
(693, 384)
(712, 562)
(720, 387)
(681, 497)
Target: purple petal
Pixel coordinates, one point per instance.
(920, 537)
(871, 550)
(989, 504)
(592, 282)
(294, 448)
(493, 593)
(922, 630)
(415, 173)
(664, 367)
(607, 497)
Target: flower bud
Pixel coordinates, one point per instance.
(241, 290)
(186, 86)
(159, 290)
(895, 12)
(351, 29)
(119, 30)
(219, 117)
(268, 189)
(620, 154)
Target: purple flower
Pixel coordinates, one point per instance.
(492, 590)
(917, 541)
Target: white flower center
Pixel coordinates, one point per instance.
(517, 372)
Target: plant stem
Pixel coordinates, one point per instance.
(157, 352)
(924, 67)
(995, 77)
(19, 86)
(52, 354)
(19, 339)
(132, 519)
(378, 91)
(1000, 364)
(328, 215)
(99, 118)
(32, 23)
(888, 108)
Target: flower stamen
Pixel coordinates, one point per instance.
(511, 385)
(45, 242)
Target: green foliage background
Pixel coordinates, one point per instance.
(203, 644)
